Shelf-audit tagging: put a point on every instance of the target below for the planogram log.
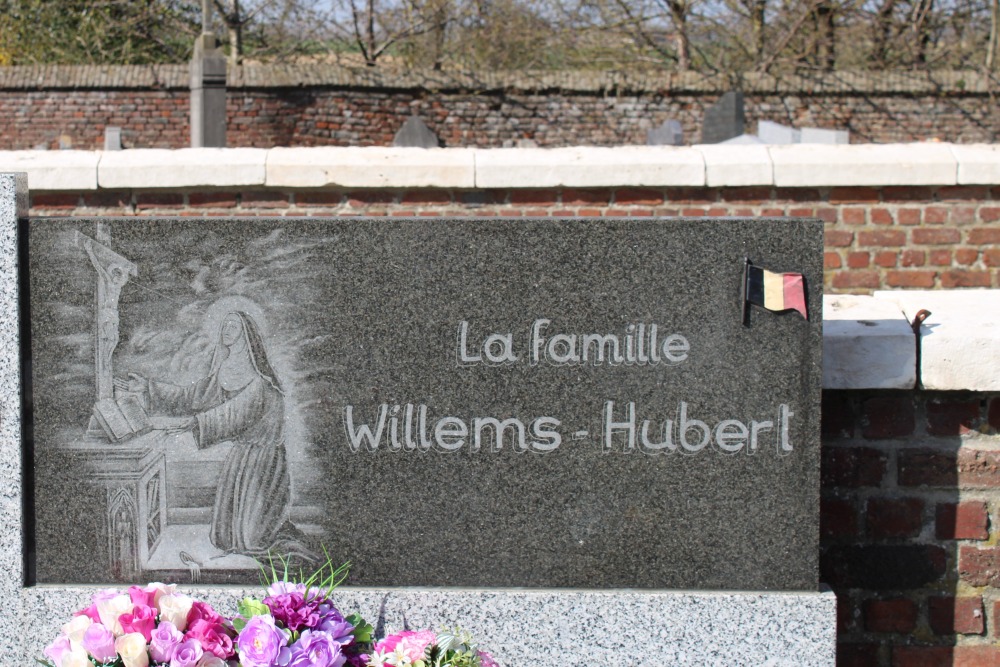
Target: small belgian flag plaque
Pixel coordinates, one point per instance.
(777, 292)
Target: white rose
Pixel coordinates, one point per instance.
(109, 611)
(132, 649)
(75, 628)
(77, 657)
(209, 660)
(175, 608)
(160, 590)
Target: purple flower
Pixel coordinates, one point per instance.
(186, 654)
(262, 643)
(332, 623)
(294, 611)
(316, 649)
(281, 587)
(163, 641)
(100, 642)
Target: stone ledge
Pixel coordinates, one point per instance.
(867, 344)
(557, 627)
(154, 168)
(812, 165)
(371, 167)
(586, 167)
(74, 171)
(714, 166)
(959, 341)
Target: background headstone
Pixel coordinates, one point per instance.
(112, 138)
(775, 133)
(415, 134)
(669, 133)
(813, 135)
(724, 119)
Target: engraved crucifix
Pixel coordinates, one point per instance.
(113, 272)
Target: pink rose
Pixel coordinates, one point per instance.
(187, 654)
(100, 642)
(141, 620)
(141, 596)
(90, 612)
(57, 649)
(203, 612)
(212, 637)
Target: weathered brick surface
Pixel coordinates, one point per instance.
(898, 615)
(951, 615)
(967, 520)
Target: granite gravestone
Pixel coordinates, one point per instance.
(565, 403)
(414, 133)
(724, 119)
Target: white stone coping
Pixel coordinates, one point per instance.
(959, 340)
(797, 165)
(867, 344)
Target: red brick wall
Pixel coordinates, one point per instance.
(910, 505)
(876, 238)
(323, 116)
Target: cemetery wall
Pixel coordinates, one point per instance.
(327, 105)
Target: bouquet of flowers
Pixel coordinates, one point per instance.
(427, 649)
(144, 626)
(297, 625)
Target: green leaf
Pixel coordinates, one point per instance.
(362, 630)
(249, 607)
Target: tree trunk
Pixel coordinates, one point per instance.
(881, 31)
(991, 52)
(682, 45)
(757, 23)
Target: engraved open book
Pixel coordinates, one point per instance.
(122, 418)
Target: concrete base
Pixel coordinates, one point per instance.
(547, 628)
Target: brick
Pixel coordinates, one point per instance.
(882, 237)
(857, 655)
(935, 215)
(924, 236)
(691, 195)
(800, 212)
(882, 567)
(837, 414)
(746, 195)
(948, 417)
(984, 236)
(911, 278)
(993, 413)
(991, 257)
(989, 213)
(854, 195)
(426, 196)
(967, 520)
(852, 467)
(963, 215)
(538, 197)
(913, 258)
(319, 198)
(966, 256)
(897, 615)
(831, 260)
(979, 567)
(894, 517)
(886, 258)
(961, 616)
(148, 200)
(909, 216)
(837, 518)
(963, 192)
(212, 199)
(264, 200)
(837, 238)
(940, 257)
(796, 195)
(965, 278)
(576, 197)
(639, 197)
(945, 656)
(852, 216)
(362, 198)
(55, 201)
(967, 469)
(856, 279)
(858, 260)
(826, 213)
(907, 193)
(880, 215)
(887, 417)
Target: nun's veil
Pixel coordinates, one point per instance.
(255, 350)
